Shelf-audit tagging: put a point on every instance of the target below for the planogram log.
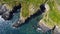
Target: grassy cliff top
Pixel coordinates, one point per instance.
(30, 6)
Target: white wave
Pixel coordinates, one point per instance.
(1, 19)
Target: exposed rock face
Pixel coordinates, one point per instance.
(7, 13)
(47, 7)
(57, 30)
(54, 30)
(43, 26)
(3, 9)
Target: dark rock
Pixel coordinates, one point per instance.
(7, 15)
(15, 8)
(18, 23)
(42, 7)
(53, 28)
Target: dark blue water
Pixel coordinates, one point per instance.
(6, 26)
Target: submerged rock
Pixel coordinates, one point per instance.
(18, 23)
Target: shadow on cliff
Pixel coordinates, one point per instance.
(16, 8)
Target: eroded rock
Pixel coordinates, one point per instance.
(7, 13)
(3, 9)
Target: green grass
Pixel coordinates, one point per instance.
(25, 6)
(53, 15)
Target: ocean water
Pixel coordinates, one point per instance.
(6, 26)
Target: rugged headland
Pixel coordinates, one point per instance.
(49, 9)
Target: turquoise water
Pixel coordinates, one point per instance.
(6, 26)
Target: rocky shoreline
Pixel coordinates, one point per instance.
(45, 29)
(7, 13)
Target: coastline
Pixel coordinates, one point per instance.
(46, 28)
(43, 26)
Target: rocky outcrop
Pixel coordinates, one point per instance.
(3, 9)
(7, 13)
(46, 29)
(43, 26)
(57, 30)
